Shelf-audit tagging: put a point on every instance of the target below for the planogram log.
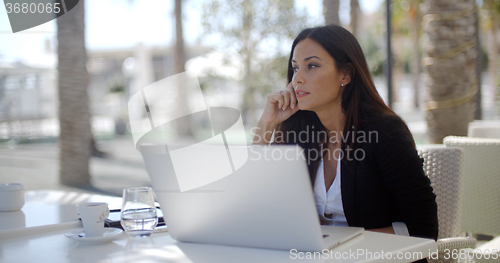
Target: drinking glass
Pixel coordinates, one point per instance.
(138, 217)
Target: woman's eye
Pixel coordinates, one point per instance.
(312, 66)
(295, 69)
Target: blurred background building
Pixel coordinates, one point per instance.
(29, 94)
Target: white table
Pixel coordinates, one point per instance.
(48, 210)
(47, 243)
(55, 247)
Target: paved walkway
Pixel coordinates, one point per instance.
(36, 166)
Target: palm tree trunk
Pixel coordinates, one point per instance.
(180, 55)
(415, 28)
(493, 67)
(331, 12)
(478, 113)
(450, 67)
(184, 125)
(397, 66)
(248, 95)
(74, 115)
(354, 17)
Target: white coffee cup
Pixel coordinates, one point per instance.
(11, 197)
(93, 216)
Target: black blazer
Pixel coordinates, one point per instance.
(383, 180)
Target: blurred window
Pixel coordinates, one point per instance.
(13, 82)
(30, 81)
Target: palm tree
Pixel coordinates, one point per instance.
(400, 26)
(331, 11)
(492, 9)
(450, 67)
(180, 55)
(415, 17)
(478, 114)
(354, 17)
(184, 125)
(74, 115)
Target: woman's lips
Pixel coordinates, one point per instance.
(301, 93)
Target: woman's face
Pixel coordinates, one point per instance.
(316, 80)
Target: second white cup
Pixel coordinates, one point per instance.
(93, 216)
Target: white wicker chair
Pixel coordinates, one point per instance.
(443, 166)
(484, 129)
(481, 184)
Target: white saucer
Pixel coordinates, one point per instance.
(79, 235)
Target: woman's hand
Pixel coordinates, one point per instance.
(280, 105)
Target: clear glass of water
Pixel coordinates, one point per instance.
(138, 217)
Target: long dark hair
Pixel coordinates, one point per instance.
(359, 98)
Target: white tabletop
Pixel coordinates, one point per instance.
(36, 234)
(45, 210)
(55, 247)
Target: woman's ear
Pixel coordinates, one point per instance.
(346, 78)
(348, 74)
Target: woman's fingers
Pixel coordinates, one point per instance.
(286, 99)
(279, 98)
(279, 107)
(292, 98)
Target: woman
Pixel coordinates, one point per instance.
(361, 156)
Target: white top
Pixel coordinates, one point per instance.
(329, 202)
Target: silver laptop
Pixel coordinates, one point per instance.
(264, 202)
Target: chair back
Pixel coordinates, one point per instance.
(481, 193)
(443, 166)
(484, 129)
